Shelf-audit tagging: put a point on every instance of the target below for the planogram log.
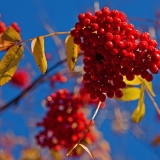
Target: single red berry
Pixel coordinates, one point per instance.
(88, 15)
(94, 26)
(119, 94)
(106, 11)
(153, 68)
(144, 36)
(130, 76)
(149, 78)
(81, 17)
(143, 45)
(110, 94)
(109, 36)
(114, 13)
(108, 45)
(86, 22)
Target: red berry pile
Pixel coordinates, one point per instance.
(113, 48)
(21, 78)
(64, 122)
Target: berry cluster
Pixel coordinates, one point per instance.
(57, 78)
(21, 78)
(64, 122)
(112, 49)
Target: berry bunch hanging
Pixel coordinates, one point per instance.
(64, 122)
(113, 48)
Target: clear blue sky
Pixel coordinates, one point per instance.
(61, 16)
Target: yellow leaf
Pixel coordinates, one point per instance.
(135, 81)
(71, 51)
(149, 86)
(31, 154)
(79, 150)
(4, 44)
(37, 47)
(9, 63)
(87, 150)
(11, 35)
(139, 112)
(130, 94)
(56, 155)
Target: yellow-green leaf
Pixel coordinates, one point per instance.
(11, 35)
(150, 88)
(37, 47)
(56, 155)
(87, 150)
(130, 94)
(71, 51)
(9, 63)
(135, 81)
(139, 112)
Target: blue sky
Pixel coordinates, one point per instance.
(61, 16)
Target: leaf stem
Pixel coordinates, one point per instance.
(44, 36)
(87, 129)
(153, 101)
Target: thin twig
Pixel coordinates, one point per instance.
(153, 101)
(37, 81)
(87, 129)
(47, 35)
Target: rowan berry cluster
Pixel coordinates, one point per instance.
(21, 78)
(64, 122)
(113, 48)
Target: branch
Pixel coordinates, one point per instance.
(47, 35)
(37, 81)
(87, 129)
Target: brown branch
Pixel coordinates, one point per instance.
(87, 129)
(37, 81)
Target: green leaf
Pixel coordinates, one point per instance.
(139, 112)
(87, 150)
(37, 47)
(9, 63)
(135, 81)
(11, 35)
(150, 88)
(71, 51)
(130, 94)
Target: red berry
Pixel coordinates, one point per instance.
(119, 94)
